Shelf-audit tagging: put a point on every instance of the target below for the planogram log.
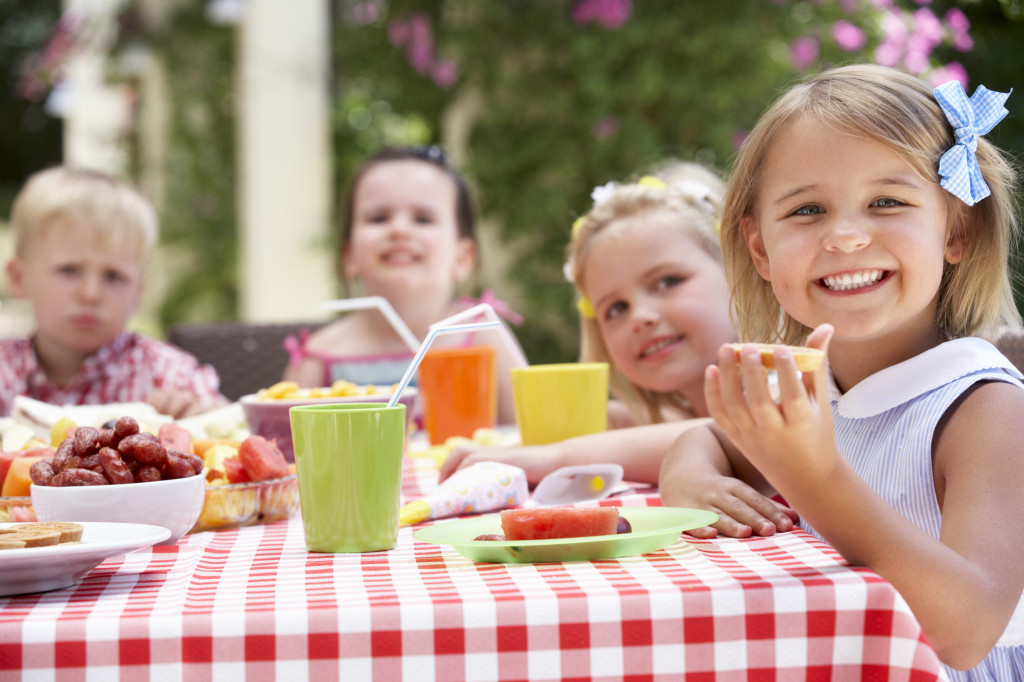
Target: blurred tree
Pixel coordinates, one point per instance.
(32, 138)
(579, 92)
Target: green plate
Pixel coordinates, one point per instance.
(654, 528)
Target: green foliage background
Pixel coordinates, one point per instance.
(681, 78)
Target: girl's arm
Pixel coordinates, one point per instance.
(638, 449)
(963, 587)
(307, 374)
(304, 369)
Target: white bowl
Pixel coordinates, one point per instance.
(174, 504)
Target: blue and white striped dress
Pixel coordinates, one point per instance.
(884, 428)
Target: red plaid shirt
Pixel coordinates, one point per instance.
(127, 370)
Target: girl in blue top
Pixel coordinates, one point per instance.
(866, 217)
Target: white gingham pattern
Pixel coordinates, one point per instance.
(252, 602)
(970, 118)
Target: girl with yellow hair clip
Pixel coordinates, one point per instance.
(654, 305)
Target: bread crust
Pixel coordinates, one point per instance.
(807, 359)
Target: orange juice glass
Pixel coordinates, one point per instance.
(460, 391)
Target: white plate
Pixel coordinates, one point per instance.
(40, 569)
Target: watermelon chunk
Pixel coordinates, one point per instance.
(234, 471)
(558, 522)
(174, 437)
(262, 458)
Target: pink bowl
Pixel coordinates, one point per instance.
(269, 418)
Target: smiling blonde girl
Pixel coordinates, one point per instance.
(868, 218)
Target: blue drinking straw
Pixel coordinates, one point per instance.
(414, 365)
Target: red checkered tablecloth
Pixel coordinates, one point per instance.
(253, 603)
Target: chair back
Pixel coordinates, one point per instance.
(247, 356)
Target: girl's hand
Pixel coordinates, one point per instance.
(537, 461)
(791, 442)
(697, 473)
(742, 511)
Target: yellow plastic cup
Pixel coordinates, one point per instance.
(560, 401)
(348, 458)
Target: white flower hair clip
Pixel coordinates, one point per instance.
(602, 193)
(699, 192)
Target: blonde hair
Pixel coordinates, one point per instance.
(693, 193)
(107, 204)
(898, 110)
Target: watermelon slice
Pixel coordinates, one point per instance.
(262, 458)
(234, 471)
(174, 437)
(558, 522)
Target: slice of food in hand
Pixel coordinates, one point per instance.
(546, 523)
(807, 359)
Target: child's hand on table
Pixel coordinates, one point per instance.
(175, 403)
(742, 511)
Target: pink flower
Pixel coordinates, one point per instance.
(923, 2)
(888, 54)
(849, 6)
(364, 12)
(609, 13)
(848, 36)
(444, 73)
(420, 56)
(803, 52)
(399, 31)
(954, 71)
(957, 20)
(605, 128)
(916, 60)
(894, 28)
(959, 25)
(882, 4)
(739, 137)
(928, 27)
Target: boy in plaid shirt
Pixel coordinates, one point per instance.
(83, 239)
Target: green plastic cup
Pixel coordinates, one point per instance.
(349, 463)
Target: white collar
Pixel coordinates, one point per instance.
(905, 381)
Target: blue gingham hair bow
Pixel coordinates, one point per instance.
(970, 118)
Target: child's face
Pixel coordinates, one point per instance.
(661, 300)
(405, 232)
(82, 289)
(848, 233)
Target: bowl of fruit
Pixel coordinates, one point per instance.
(119, 474)
(248, 482)
(266, 411)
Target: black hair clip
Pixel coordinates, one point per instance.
(432, 153)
